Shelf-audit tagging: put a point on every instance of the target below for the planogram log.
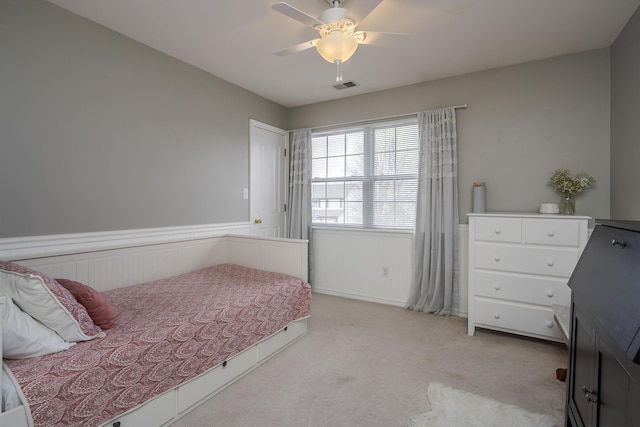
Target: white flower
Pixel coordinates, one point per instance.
(562, 181)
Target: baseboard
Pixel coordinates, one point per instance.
(358, 297)
(375, 300)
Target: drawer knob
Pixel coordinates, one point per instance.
(549, 324)
(496, 286)
(590, 395)
(551, 233)
(496, 258)
(550, 262)
(497, 230)
(496, 315)
(549, 293)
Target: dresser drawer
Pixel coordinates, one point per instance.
(504, 230)
(509, 317)
(558, 262)
(526, 289)
(554, 232)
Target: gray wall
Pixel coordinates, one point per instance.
(522, 122)
(625, 122)
(99, 132)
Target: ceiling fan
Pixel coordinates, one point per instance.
(338, 38)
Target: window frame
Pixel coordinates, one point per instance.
(369, 177)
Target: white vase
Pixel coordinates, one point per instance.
(479, 198)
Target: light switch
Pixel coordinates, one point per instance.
(245, 193)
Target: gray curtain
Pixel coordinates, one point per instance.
(299, 198)
(435, 234)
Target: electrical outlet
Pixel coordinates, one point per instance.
(385, 271)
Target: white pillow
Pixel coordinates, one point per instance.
(45, 300)
(24, 337)
(10, 396)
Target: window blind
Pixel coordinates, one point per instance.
(366, 176)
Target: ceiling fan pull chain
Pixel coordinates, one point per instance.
(339, 67)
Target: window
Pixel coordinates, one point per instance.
(366, 176)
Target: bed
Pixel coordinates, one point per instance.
(224, 305)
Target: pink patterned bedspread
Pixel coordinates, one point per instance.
(167, 332)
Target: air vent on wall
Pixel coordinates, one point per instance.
(345, 85)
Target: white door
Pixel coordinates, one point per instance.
(268, 179)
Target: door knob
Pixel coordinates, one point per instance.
(257, 221)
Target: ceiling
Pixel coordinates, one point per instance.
(235, 39)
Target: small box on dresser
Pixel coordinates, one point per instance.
(519, 265)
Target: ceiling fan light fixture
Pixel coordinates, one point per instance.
(337, 46)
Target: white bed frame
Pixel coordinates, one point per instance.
(116, 259)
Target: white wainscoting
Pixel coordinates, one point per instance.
(347, 262)
(114, 259)
(350, 263)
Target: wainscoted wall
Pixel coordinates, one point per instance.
(113, 259)
(348, 263)
(351, 264)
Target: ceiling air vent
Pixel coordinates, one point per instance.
(345, 85)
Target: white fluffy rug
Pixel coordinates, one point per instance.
(451, 407)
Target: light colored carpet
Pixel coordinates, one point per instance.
(451, 407)
(367, 364)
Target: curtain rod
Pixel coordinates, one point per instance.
(377, 119)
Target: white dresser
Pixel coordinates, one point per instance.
(519, 264)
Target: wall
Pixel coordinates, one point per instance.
(522, 122)
(625, 126)
(100, 132)
(352, 263)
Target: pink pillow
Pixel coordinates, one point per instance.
(96, 304)
(46, 301)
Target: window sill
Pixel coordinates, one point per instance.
(342, 229)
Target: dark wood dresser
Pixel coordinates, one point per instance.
(604, 351)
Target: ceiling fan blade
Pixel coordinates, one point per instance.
(297, 48)
(379, 38)
(361, 9)
(297, 14)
